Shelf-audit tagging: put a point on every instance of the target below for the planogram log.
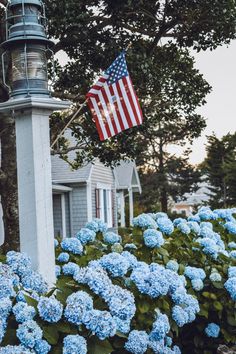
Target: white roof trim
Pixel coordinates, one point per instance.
(70, 181)
(61, 188)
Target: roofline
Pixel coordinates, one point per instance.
(69, 181)
(61, 188)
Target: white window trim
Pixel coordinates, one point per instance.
(101, 187)
(63, 214)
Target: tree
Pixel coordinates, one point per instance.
(219, 168)
(93, 32)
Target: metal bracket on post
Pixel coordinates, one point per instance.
(4, 73)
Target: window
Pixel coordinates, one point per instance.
(104, 204)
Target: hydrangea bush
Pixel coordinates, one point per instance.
(166, 288)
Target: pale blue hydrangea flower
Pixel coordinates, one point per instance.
(23, 312)
(206, 213)
(130, 258)
(177, 221)
(121, 303)
(56, 243)
(230, 227)
(160, 327)
(111, 238)
(6, 288)
(233, 254)
(184, 228)
(165, 225)
(50, 309)
(144, 221)
(212, 330)
(194, 227)
(115, 264)
(137, 342)
(42, 347)
(15, 349)
(215, 277)
(5, 307)
(3, 326)
(179, 315)
(86, 235)
(197, 284)
(131, 246)
(72, 245)
(153, 238)
(117, 247)
(121, 325)
(77, 304)
(29, 333)
(232, 271)
(98, 281)
(63, 257)
(20, 263)
(230, 286)
(206, 224)
(172, 265)
(100, 323)
(97, 225)
(70, 268)
(34, 281)
(195, 218)
(194, 273)
(74, 344)
(209, 247)
(57, 271)
(232, 244)
(160, 214)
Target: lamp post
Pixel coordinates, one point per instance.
(26, 49)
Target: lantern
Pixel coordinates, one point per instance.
(26, 48)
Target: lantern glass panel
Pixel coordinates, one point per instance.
(33, 65)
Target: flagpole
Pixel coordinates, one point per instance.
(68, 124)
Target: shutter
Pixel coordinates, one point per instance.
(113, 201)
(97, 200)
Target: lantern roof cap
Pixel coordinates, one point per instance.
(19, 2)
(29, 39)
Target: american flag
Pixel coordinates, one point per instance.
(113, 101)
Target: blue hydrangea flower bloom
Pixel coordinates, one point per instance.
(23, 312)
(77, 304)
(194, 218)
(42, 347)
(98, 281)
(137, 342)
(194, 227)
(230, 286)
(215, 277)
(232, 271)
(153, 238)
(233, 254)
(72, 245)
(206, 213)
(177, 221)
(230, 227)
(179, 315)
(197, 284)
(57, 271)
(97, 225)
(34, 281)
(131, 246)
(5, 308)
(86, 235)
(172, 265)
(20, 263)
(29, 333)
(100, 323)
(232, 244)
(50, 309)
(6, 288)
(194, 273)
(115, 264)
(15, 349)
(160, 328)
(74, 344)
(111, 238)
(130, 258)
(3, 326)
(144, 221)
(56, 243)
(165, 225)
(159, 215)
(63, 257)
(212, 330)
(70, 268)
(184, 228)
(121, 303)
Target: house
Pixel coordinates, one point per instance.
(127, 183)
(82, 195)
(192, 200)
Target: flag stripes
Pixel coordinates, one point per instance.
(113, 101)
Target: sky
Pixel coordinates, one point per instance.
(219, 69)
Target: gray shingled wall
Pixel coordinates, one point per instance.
(102, 174)
(79, 210)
